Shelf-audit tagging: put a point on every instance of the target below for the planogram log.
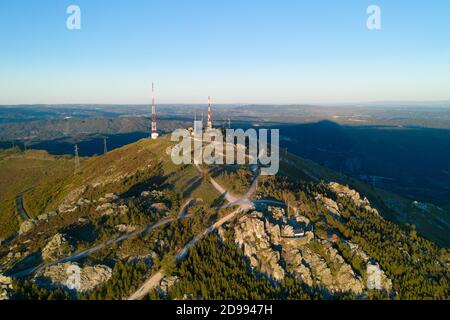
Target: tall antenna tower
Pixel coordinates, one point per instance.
(209, 125)
(154, 130)
(77, 159)
(105, 147)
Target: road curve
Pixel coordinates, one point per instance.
(155, 279)
(19, 204)
(244, 204)
(98, 247)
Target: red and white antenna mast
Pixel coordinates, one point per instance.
(209, 125)
(154, 130)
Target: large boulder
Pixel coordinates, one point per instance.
(5, 287)
(344, 191)
(165, 284)
(27, 226)
(256, 242)
(61, 276)
(161, 207)
(58, 247)
(330, 204)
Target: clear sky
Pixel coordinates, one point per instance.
(237, 51)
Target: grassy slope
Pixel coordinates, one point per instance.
(139, 156)
(53, 182)
(21, 172)
(111, 168)
(50, 181)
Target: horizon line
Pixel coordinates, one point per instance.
(231, 103)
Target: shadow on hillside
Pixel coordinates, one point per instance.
(193, 184)
(413, 162)
(88, 145)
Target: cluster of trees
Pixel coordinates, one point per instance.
(180, 232)
(125, 279)
(217, 270)
(28, 290)
(416, 266)
(236, 180)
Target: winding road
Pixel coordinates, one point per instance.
(244, 204)
(155, 279)
(19, 204)
(181, 215)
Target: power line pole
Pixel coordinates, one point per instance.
(154, 134)
(77, 159)
(209, 124)
(105, 147)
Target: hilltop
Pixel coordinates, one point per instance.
(136, 225)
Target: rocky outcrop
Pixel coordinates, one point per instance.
(376, 278)
(64, 276)
(251, 236)
(108, 197)
(161, 207)
(344, 191)
(83, 202)
(124, 228)
(277, 245)
(27, 226)
(58, 247)
(146, 259)
(67, 208)
(46, 216)
(165, 284)
(330, 204)
(6, 288)
(109, 209)
(145, 194)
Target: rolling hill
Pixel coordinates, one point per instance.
(137, 225)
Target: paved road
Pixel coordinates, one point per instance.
(89, 251)
(20, 208)
(244, 201)
(244, 204)
(155, 279)
(183, 208)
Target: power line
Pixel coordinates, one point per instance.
(105, 147)
(209, 124)
(77, 159)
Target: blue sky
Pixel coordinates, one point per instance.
(237, 51)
